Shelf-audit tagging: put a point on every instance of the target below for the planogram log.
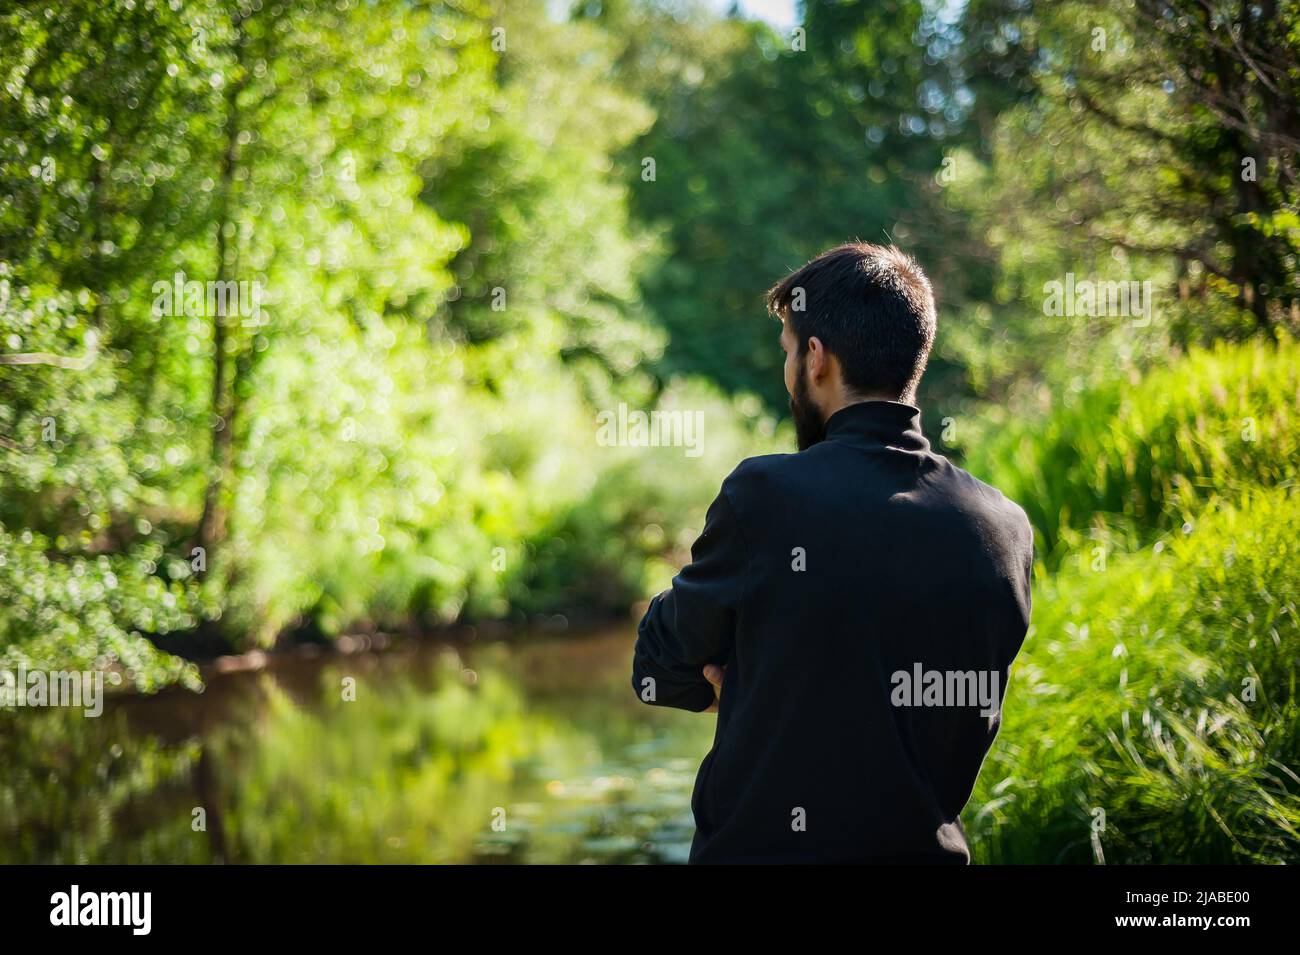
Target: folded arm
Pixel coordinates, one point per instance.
(693, 623)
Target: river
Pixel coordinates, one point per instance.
(532, 750)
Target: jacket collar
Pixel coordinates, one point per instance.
(878, 424)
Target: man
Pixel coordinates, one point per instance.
(864, 598)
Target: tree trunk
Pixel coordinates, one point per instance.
(212, 523)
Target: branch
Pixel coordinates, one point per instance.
(48, 358)
(1136, 129)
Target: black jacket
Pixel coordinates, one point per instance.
(909, 566)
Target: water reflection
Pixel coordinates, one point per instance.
(530, 752)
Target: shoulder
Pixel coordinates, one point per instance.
(759, 476)
(999, 509)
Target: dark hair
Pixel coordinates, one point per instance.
(871, 306)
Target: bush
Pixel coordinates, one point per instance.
(625, 538)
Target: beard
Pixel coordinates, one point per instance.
(809, 424)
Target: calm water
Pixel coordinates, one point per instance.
(536, 751)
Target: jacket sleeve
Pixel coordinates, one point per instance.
(694, 621)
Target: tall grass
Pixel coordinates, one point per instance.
(1152, 715)
(1148, 456)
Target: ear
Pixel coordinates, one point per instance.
(818, 359)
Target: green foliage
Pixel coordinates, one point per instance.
(635, 523)
(1123, 164)
(405, 437)
(765, 155)
(64, 611)
(464, 262)
(1152, 714)
(1151, 453)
